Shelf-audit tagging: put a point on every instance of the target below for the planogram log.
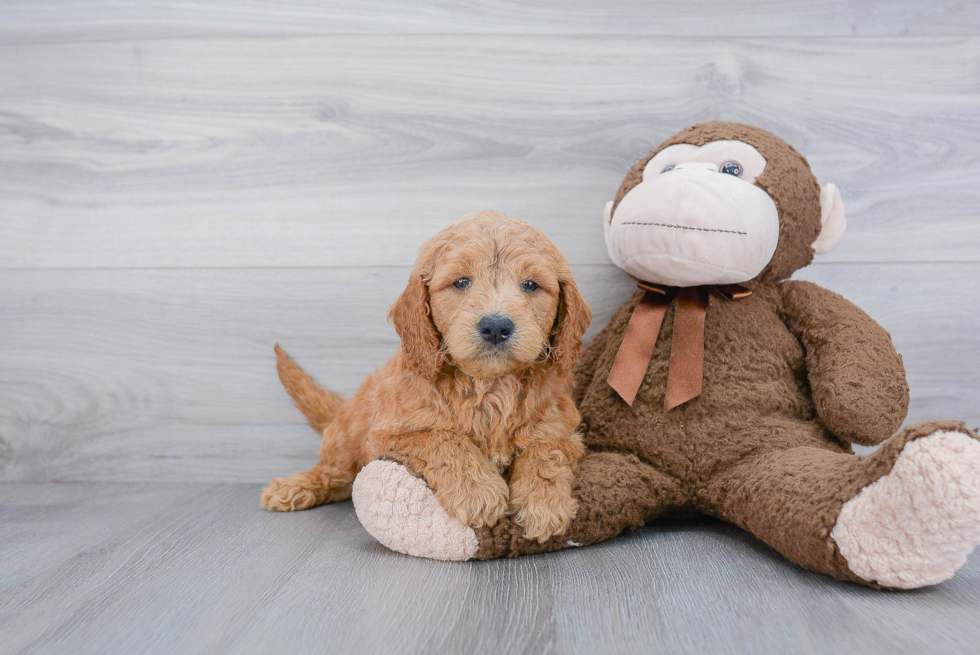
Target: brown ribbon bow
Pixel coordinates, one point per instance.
(686, 370)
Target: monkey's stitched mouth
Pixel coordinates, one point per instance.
(685, 227)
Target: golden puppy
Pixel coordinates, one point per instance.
(478, 393)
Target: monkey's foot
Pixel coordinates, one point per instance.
(401, 512)
(916, 526)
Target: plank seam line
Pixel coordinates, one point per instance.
(39, 269)
(286, 35)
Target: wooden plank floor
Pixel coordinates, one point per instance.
(199, 568)
(182, 184)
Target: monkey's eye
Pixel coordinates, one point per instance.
(669, 168)
(462, 283)
(529, 286)
(731, 168)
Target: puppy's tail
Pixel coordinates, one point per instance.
(318, 405)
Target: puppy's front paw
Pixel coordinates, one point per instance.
(543, 510)
(477, 499)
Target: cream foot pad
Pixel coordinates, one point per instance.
(917, 525)
(401, 512)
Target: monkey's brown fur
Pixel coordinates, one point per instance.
(792, 375)
(446, 408)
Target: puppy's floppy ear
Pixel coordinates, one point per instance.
(571, 322)
(412, 318)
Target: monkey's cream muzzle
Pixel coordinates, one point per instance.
(691, 226)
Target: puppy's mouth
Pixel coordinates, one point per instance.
(491, 361)
(515, 352)
(495, 352)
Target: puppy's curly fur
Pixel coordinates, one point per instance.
(491, 427)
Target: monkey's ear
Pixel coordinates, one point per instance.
(832, 218)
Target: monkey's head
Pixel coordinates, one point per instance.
(721, 203)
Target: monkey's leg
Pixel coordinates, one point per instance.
(904, 516)
(615, 492)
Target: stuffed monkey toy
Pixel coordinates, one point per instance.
(723, 388)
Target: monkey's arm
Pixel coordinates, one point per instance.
(856, 376)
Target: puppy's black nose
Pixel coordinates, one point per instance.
(495, 329)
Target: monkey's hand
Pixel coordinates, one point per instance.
(856, 376)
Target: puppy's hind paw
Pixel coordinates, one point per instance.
(290, 494)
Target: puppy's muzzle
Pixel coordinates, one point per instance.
(495, 329)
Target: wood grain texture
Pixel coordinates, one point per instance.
(169, 375)
(351, 150)
(199, 568)
(34, 21)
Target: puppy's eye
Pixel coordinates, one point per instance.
(731, 168)
(462, 283)
(669, 168)
(529, 286)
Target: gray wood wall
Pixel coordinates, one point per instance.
(181, 186)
